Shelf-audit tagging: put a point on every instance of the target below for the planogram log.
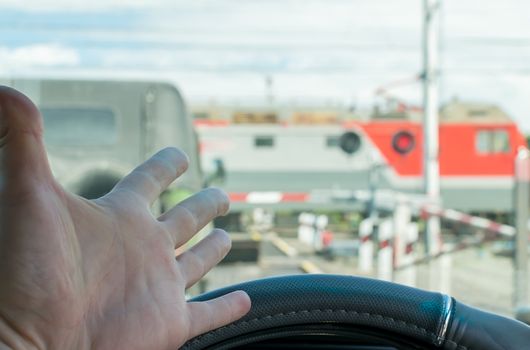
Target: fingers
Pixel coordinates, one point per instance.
(189, 216)
(151, 178)
(202, 257)
(23, 161)
(208, 315)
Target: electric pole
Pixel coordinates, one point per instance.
(269, 89)
(431, 170)
(521, 206)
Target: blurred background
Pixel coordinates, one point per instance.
(383, 138)
(337, 51)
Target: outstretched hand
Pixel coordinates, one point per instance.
(100, 274)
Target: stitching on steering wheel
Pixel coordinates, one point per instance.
(433, 336)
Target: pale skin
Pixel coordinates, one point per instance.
(100, 274)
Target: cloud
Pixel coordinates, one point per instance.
(39, 55)
(81, 5)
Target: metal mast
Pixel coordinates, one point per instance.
(431, 171)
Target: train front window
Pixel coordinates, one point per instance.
(492, 141)
(79, 126)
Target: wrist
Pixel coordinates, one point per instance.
(23, 335)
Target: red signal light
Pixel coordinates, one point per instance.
(403, 142)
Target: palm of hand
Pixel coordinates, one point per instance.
(100, 274)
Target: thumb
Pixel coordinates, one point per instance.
(23, 161)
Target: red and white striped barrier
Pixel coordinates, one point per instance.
(412, 237)
(408, 276)
(385, 264)
(321, 224)
(268, 197)
(474, 221)
(366, 248)
(406, 235)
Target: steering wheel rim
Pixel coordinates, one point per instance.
(427, 319)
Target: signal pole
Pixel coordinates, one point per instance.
(431, 171)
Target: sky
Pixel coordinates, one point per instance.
(316, 51)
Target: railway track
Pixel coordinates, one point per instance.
(256, 255)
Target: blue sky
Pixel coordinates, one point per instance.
(318, 51)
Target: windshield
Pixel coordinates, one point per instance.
(373, 138)
(79, 127)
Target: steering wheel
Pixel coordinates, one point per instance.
(347, 312)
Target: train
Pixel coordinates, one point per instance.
(285, 157)
(282, 157)
(96, 131)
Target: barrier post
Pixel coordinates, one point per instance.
(304, 228)
(522, 206)
(408, 274)
(402, 216)
(321, 222)
(366, 247)
(385, 263)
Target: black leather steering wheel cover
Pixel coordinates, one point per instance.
(421, 317)
(471, 328)
(312, 299)
(318, 336)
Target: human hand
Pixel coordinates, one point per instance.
(100, 274)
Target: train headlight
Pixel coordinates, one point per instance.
(403, 142)
(350, 142)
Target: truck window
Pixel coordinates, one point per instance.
(79, 126)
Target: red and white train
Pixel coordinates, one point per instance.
(285, 157)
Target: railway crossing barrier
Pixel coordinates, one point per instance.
(312, 230)
(385, 264)
(397, 237)
(405, 235)
(392, 242)
(406, 254)
(321, 223)
(366, 247)
(306, 228)
(473, 221)
(262, 219)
